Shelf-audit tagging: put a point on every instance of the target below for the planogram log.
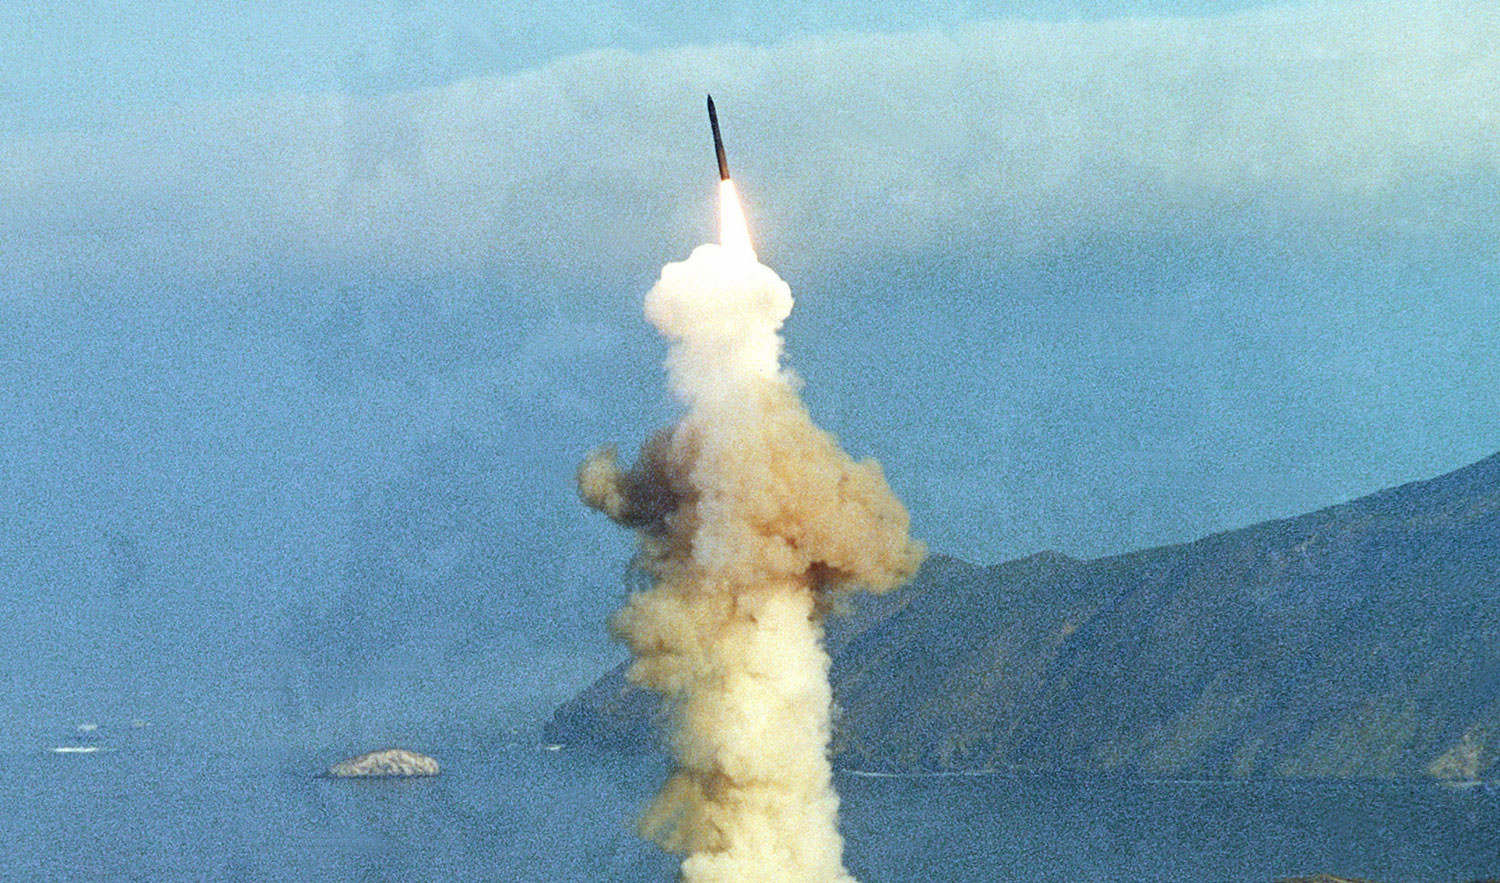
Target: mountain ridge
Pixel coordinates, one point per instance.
(1357, 641)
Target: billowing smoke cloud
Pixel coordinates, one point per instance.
(751, 521)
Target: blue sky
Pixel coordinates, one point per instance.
(314, 310)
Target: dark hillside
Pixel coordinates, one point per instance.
(1359, 641)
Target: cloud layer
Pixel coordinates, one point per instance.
(1007, 136)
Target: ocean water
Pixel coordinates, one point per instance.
(523, 812)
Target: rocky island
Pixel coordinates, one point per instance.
(384, 764)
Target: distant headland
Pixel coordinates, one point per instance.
(1355, 642)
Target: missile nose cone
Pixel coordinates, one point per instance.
(713, 122)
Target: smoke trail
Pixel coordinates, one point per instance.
(750, 519)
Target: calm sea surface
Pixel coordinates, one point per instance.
(524, 813)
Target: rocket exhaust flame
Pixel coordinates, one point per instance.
(751, 522)
(734, 233)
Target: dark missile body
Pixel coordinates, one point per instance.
(713, 122)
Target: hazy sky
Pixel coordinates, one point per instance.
(286, 292)
(66, 63)
(1286, 204)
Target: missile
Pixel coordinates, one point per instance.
(713, 122)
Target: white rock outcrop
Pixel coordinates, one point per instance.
(385, 763)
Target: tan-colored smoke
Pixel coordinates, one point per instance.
(751, 519)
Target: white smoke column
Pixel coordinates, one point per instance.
(751, 519)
